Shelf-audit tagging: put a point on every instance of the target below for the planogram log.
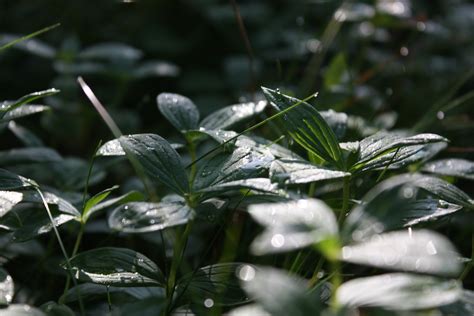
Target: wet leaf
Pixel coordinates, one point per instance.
(232, 115)
(307, 127)
(262, 185)
(279, 293)
(460, 168)
(337, 121)
(399, 291)
(113, 148)
(141, 217)
(7, 289)
(420, 251)
(7, 106)
(159, 160)
(11, 181)
(8, 200)
(116, 267)
(179, 111)
(285, 171)
(127, 197)
(294, 225)
(22, 111)
(384, 148)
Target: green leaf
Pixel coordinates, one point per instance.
(28, 155)
(11, 181)
(22, 111)
(8, 200)
(279, 293)
(262, 185)
(337, 122)
(7, 106)
(127, 197)
(307, 127)
(335, 73)
(232, 115)
(96, 199)
(55, 309)
(242, 163)
(285, 171)
(148, 307)
(159, 160)
(7, 289)
(218, 283)
(155, 68)
(398, 202)
(116, 267)
(384, 149)
(21, 310)
(420, 251)
(399, 291)
(460, 168)
(179, 111)
(141, 217)
(113, 148)
(294, 225)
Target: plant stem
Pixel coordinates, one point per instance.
(336, 281)
(470, 264)
(178, 252)
(346, 192)
(192, 153)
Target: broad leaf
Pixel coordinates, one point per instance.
(28, 155)
(285, 171)
(262, 185)
(155, 68)
(294, 225)
(116, 267)
(384, 149)
(8, 200)
(218, 283)
(141, 217)
(91, 292)
(7, 106)
(420, 251)
(232, 115)
(22, 111)
(337, 121)
(7, 289)
(114, 148)
(55, 309)
(307, 127)
(399, 291)
(179, 111)
(278, 293)
(11, 181)
(463, 306)
(127, 197)
(160, 162)
(398, 202)
(459, 168)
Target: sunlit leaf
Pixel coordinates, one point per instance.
(463, 306)
(7, 289)
(285, 171)
(419, 251)
(262, 185)
(96, 199)
(140, 217)
(116, 267)
(159, 160)
(307, 127)
(127, 197)
(399, 291)
(293, 225)
(459, 168)
(249, 310)
(22, 111)
(8, 200)
(113, 148)
(232, 115)
(179, 111)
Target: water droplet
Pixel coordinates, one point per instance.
(246, 272)
(408, 192)
(440, 115)
(420, 26)
(208, 302)
(404, 51)
(278, 240)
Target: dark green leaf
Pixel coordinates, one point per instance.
(141, 217)
(27, 137)
(179, 111)
(148, 307)
(159, 160)
(460, 168)
(262, 185)
(155, 68)
(11, 181)
(420, 251)
(307, 127)
(55, 309)
(232, 115)
(116, 267)
(294, 225)
(7, 289)
(399, 291)
(28, 155)
(336, 121)
(285, 171)
(21, 310)
(111, 51)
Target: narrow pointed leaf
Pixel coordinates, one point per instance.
(7, 106)
(22, 111)
(132, 196)
(116, 267)
(232, 115)
(460, 168)
(141, 217)
(96, 199)
(293, 225)
(179, 111)
(285, 171)
(307, 127)
(399, 291)
(159, 160)
(420, 251)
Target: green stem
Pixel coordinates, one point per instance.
(336, 281)
(192, 153)
(29, 36)
(178, 252)
(346, 192)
